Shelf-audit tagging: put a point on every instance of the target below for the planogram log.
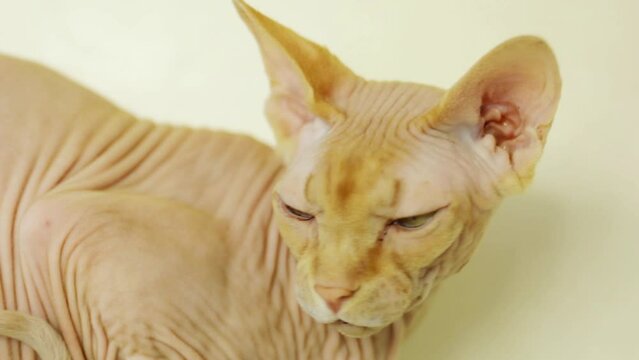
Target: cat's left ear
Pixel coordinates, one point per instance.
(504, 107)
(307, 81)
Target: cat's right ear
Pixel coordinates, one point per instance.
(307, 82)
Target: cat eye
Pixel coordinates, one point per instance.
(297, 214)
(414, 222)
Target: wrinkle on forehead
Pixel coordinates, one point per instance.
(354, 172)
(377, 111)
(349, 184)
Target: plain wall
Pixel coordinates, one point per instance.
(556, 276)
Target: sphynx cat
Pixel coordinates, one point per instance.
(122, 238)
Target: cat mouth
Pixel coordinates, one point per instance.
(353, 330)
(342, 322)
(346, 324)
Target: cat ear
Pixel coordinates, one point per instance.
(504, 106)
(307, 81)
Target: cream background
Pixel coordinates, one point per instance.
(557, 274)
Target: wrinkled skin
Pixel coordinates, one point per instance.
(137, 240)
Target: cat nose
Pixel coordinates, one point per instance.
(334, 296)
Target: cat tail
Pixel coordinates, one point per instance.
(35, 332)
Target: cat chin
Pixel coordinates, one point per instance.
(355, 331)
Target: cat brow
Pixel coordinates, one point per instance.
(397, 186)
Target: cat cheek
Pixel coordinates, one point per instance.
(297, 235)
(295, 245)
(289, 236)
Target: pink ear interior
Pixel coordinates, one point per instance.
(509, 112)
(501, 120)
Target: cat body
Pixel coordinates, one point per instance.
(135, 240)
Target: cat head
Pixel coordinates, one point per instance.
(388, 185)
